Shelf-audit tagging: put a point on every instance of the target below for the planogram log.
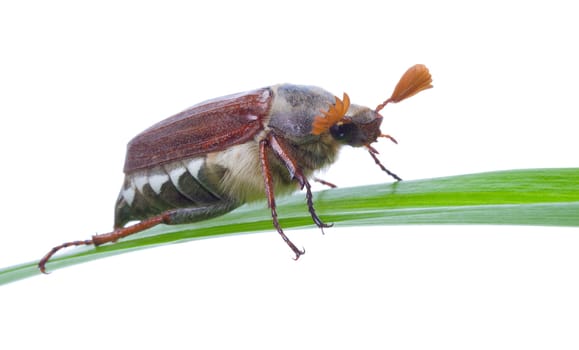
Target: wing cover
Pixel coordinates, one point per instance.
(210, 126)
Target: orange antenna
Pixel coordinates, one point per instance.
(333, 115)
(416, 79)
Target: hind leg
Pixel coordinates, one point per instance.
(170, 217)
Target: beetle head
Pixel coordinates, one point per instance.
(360, 126)
(348, 124)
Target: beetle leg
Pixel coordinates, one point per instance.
(310, 202)
(373, 152)
(170, 217)
(281, 152)
(97, 240)
(263, 144)
(324, 182)
(194, 214)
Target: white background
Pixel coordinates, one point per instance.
(77, 81)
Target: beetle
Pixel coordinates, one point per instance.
(222, 153)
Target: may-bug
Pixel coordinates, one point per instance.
(221, 153)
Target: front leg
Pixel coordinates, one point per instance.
(280, 150)
(269, 192)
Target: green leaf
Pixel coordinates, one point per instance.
(547, 197)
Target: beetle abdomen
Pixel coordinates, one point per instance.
(232, 176)
(178, 184)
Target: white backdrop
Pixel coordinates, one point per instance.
(78, 81)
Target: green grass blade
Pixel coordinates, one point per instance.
(547, 197)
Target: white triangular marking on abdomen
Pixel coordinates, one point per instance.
(194, 165)
(140, 182)
(175, 174)
(129, 194)
(157, 180)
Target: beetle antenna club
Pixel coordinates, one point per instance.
(416, 79)
(221, 153)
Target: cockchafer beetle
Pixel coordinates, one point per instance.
(222, 153)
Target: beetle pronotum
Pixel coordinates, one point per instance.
(221, 153)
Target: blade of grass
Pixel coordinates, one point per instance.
(547, 197)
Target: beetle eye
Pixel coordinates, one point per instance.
(343, 131)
